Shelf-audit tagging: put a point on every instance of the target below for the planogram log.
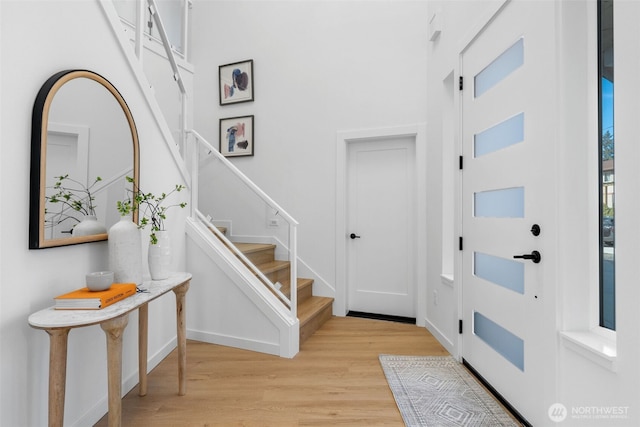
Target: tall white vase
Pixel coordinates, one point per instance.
(125, 251)
(159, 256)
(88, 227)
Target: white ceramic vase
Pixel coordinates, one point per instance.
(159, 256)
(88, 227)
(125, 251)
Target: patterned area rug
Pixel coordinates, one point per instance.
(438, 391)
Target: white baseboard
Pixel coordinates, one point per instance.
(236, 342)
(442, 339)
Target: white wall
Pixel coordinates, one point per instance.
(226, 310)
(454, 20)
(320, 67)
(39, 38)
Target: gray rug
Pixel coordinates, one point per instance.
(438, 391)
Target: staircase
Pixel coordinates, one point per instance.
(313, 311)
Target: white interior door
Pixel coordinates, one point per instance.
(381, 217)
(67, 153)
(507, 187)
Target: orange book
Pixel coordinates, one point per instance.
(84, 299)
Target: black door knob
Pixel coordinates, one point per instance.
(533, 256)
(354, 236)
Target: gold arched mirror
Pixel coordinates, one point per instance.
(84, 144)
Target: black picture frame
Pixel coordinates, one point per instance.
(237, 136)
(235, 82)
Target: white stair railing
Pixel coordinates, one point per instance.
(259, 274)
(153, 9)
(291, 301)
(141, 35)
(201, 142)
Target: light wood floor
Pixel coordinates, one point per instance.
(335, 379)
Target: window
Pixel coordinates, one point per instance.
(171, 11)
(606, 149)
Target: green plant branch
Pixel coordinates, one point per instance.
(78, 198)
(149, 206)
(57, 219)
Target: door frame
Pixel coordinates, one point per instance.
(343, 139)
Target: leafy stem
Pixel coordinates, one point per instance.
(70, 194)
(151, 207)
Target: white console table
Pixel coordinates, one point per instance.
(112, 319)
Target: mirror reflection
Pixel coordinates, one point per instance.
(84, 144)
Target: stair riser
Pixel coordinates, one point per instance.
(315, 323)
(304, 293)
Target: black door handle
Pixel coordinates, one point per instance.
(354, 236)
(533, 256)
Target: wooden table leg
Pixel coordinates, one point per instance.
(143, 330)
(57, 375)
(113, 329)
(181, 320)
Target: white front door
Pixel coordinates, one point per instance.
(508, 201)
(381, 217)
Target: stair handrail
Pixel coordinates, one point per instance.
(153, 9)
(246, 261)
(293, 256)
(177, 76)
(246, 180)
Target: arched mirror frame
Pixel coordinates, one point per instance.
(39, 132)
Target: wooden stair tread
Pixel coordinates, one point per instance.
(302, 282)
(247, 248)
(270, 267)
(313, 312)
(311, 306)
(257, 253)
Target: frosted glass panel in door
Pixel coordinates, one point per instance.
(509, 61)
(509, 345)
(503, 203)
(502, 135)
(501, 271)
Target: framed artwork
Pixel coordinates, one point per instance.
(236, 82)
(236, 136)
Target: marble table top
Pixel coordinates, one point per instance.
(50, 318)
